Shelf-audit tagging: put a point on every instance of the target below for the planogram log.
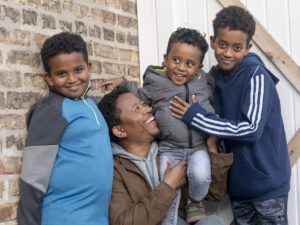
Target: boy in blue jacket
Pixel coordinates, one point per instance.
(249, 120)
(67, 169)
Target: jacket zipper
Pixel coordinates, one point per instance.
(91, 108)
(187, 99)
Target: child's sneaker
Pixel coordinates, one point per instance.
(195, 211)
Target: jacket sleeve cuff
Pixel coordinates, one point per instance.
(191, 113)
(166, 191)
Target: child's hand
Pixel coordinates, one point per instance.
(212, 144)
(111, 84)
(179, 107)
(175, 176)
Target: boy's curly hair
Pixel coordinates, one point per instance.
(108, 108)
(60, 43)
(235, 18)
(191, 37)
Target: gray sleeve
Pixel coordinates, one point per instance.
(45, 129)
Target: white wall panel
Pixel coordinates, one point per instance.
(280, 17)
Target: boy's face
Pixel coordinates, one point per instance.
(230, 47)
(69, 74)
(182, 62)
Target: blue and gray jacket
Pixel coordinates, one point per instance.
(67, 168)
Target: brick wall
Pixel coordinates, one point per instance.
(110, 30)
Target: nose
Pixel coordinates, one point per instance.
(147, 109)
(227, 52)
(181, 66)
(71, 78)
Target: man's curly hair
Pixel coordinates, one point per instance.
(191, 37)
(235, 18)
(108, 108)
(61, 43)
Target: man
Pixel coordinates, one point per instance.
(138, 197)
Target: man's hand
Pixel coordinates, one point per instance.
(212, 144)
(178, 107)
(111, 84)
(175, 176)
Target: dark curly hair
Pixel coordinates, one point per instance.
(111, 114)
(235, 18)
(191, 37)
(64, 42)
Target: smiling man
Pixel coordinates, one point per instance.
(138, 196)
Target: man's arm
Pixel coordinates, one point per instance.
(150, 209)
(255, 111)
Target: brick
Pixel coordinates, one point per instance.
(29, 17)
(121, 37)
(65, 26)
(95, 32)
(10, 164)
(129, 55)
(17, 141)
(79, 11)
(39, 40)
(1, 57)
(127, 22)
(1, 189)
(8, 212)
(102, 16)
(39, 3)
(12, 121)
(35, 60)
(80, 28)
(54, 6)
(10, 79)
(49, 21)
(12, 14)
(108, 35)
(35, 80)
(96, 85)
(132, 39)
(113, 3)
(14, 190)
(21, 100)
(113, 68)
(2, 100)
(90, 48)
(96, 67)
(128, 6)
(133, 71)
(17, 37)
(18, 57)
(105, 51)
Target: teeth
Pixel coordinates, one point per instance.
(149, 120)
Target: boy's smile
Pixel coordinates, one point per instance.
(69, 74)
(182, 62)
(230, 47)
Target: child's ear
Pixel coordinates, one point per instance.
(200, 66)
(165, 60)
(249, 46)
(119, 132)
(212, 42)
(48, 79)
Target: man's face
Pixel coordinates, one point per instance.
(136, 118)
(230, 47)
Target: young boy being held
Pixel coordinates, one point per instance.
(67, 166)
(245, 94)
(181, 76)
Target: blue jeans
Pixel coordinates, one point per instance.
(198, 173)
(208, 220)
(269, 212)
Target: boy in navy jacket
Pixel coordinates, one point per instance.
(249, 120)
